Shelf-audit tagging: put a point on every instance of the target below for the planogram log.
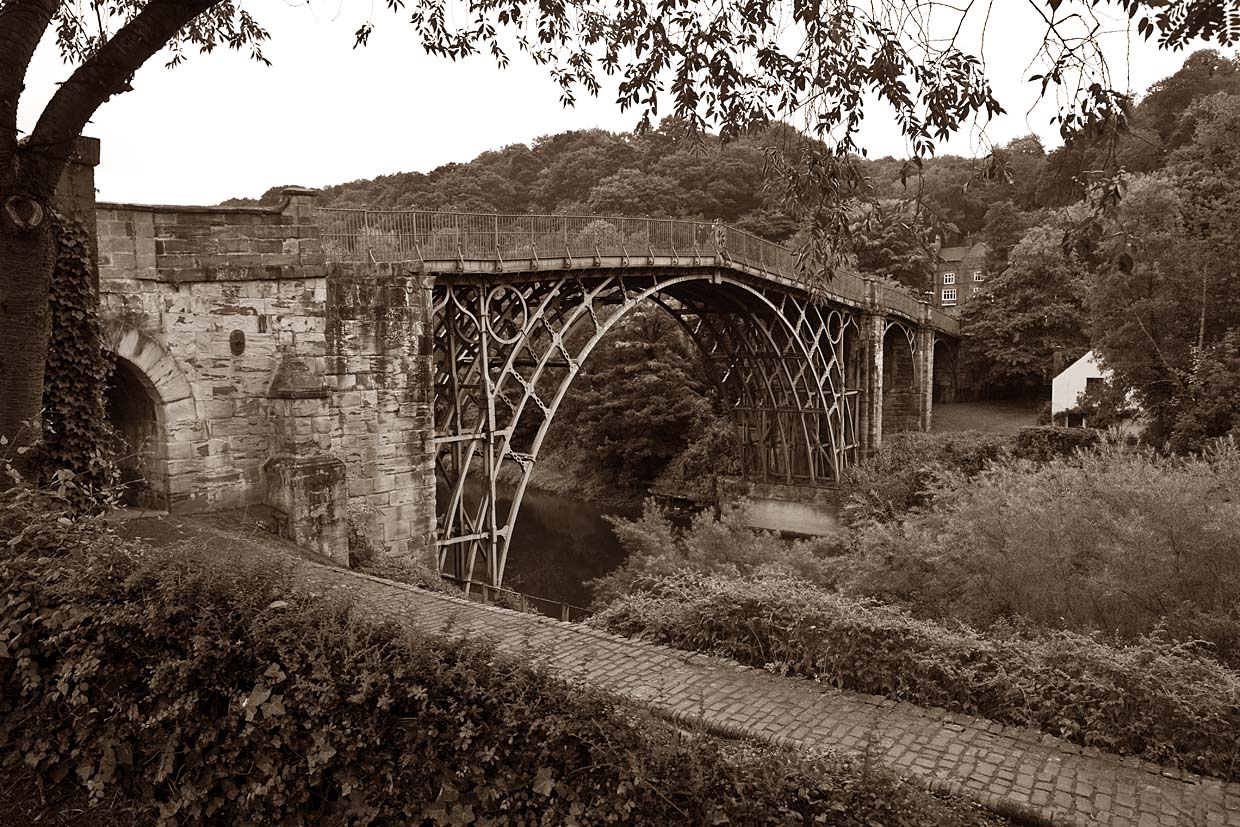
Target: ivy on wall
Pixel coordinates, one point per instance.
(77, 435)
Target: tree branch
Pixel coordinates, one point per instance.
(22, 23)
(104, 74)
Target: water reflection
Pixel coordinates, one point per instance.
(558, 544)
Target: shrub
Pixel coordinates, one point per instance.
(1154, 698)
(1115, 540)
(212, 694)
(1042, 443)
(710, 454)
(655, 548)
(898, 479)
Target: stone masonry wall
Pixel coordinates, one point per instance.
(379, 345)
(274, 381)
(217, 296)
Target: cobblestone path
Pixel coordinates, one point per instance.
(1032, 777)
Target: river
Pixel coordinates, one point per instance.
(558, 544)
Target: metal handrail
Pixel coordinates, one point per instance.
(495, 240)
(482, 593)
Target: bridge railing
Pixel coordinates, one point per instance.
(426, 235)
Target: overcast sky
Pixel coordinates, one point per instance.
(221, 125)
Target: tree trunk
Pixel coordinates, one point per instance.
(27, 257)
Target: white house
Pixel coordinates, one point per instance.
(1067, 387)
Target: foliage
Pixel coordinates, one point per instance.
(364, 549)
(639, 399)
(1005, 227)
(1153, 698)
(710, 457)
(1043, 443)
(892, 241)
(76, 431)
(1113, 540)
(1106, 405)
(209, 692)
(656, 548)
(408, 570)
(899, 478)
(1167, 306)
(1210, 404)
(1029, 312)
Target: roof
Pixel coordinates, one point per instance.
(1091, 360)
(960, 253)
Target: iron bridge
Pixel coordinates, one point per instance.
(520, 301)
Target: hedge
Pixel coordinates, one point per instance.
(214, 694)
(1157, 699)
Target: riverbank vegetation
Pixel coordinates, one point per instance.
(201, 690)
(1152, 697)
(1093, 593)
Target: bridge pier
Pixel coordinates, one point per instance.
(870, 416)
(272, 381)
(925, 376)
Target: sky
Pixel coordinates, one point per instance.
(221, 125)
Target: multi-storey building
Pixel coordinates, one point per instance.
(959, 274)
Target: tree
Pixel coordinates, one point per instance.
(639, 399)
(1031, 311)
(633, 192)
(891, 241)
(1209, 406)
(733, 66)
(1163, 109)
(1160, 312)
(1005, 227)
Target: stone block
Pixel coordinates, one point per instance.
(313, 493)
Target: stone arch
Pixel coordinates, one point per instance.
(152, 406)
(901, 397)
(780, 360)
(944, 378)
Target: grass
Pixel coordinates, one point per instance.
(994, 417)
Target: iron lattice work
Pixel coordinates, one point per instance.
(506, 352)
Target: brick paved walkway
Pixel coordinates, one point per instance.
(1032, 777)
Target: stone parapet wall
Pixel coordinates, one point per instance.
(179, 244)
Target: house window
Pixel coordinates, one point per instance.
(976, 290)
(978, 275)
(1093, 383)
(949, 294)
(949, 278)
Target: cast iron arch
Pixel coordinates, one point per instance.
(505, 355)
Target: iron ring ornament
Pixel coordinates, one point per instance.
(500, 321)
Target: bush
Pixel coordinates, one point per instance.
(1042, 443)
(1154, 698)
(1115, 540)
(655, 548)
(898, 479)
(212, 694)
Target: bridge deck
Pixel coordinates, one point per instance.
(1018, 772)
(489, 244)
